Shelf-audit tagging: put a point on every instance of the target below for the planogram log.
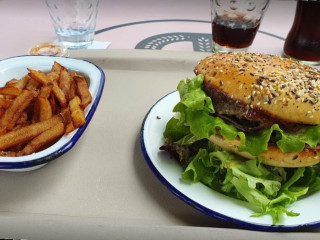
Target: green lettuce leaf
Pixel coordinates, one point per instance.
(175, 131)
(288, 194)
(265, 187)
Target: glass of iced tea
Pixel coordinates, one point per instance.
(303, 40)
(235, 23)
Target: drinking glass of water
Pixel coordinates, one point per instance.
(74, 21)
(235, 23)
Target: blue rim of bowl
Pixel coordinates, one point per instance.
(66, 147)
(210, 212)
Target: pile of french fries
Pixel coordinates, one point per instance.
(38, 109)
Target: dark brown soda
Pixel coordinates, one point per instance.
(239, 34)
(303, 40)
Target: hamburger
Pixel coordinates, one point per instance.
(256, 91)
(248, 125)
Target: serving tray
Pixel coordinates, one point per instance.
(103, 187)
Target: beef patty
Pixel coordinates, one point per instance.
(242, 116)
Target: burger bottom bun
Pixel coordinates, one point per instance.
(273, 156)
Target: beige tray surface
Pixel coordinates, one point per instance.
(103, 186)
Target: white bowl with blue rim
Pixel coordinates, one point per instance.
(16, 67)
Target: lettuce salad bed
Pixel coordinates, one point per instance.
(271, 189)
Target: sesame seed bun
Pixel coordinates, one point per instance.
(279, 88)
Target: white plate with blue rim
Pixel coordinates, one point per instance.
(16, 67)
(201, 197)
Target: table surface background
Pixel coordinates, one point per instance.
(126, 23)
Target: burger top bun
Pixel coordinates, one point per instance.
(280, 87)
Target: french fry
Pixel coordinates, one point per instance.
(8, 154)
(43, 79)
(66, 115)
(54, 105)
(42, 106)
(27, 133)
(11, 83)
(59, 95)
(73, 87)
(69, 128)
(67, 120)
(83, 91)
(57, 67)
(19, 83)
(65, 82)
(35, 117)
(46, 91)
(53, 76)
(42, 109)
(5, 103)
(55, 72)
(12, 113)
(39, 76)
(44, 139)
(22, 82)
(33, 86)
(45, 111)
(77, 114)
(22, 120)
(10, 91)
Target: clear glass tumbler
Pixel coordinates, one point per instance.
(74, 21)
(235, 23)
